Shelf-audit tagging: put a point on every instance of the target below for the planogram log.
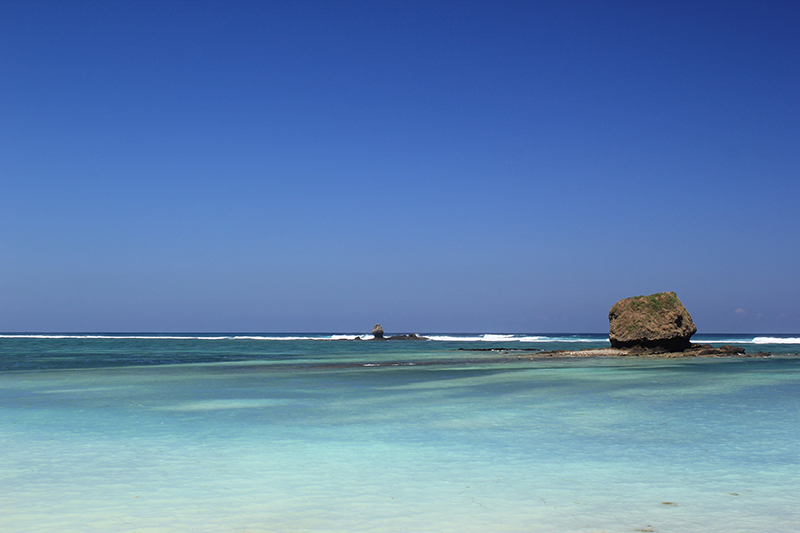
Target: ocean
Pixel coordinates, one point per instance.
(460, 433)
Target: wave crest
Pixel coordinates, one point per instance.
(776, 340)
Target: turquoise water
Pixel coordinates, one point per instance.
(147, 433)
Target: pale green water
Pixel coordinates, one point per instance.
(460, 445)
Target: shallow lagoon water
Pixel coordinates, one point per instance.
(304, 436)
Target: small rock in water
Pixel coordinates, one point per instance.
(377, 331)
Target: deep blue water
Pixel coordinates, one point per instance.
(304, 433)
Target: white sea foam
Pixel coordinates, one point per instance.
(705, 340)
(449, 338)
(494, 337)
(270, 338)
(491, 337)
(560, 339)
(486, 337)
(776, 340)
(700, 339)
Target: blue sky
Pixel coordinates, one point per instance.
(433, 166)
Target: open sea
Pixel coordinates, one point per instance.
(320, 433)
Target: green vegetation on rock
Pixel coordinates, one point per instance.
(656, 319)
(655, 302)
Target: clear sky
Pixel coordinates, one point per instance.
(432, 166)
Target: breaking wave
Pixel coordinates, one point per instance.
(486, 337)
(490, 337)
(776, 340)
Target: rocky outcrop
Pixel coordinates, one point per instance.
(409, 337)
(657, 321)
(707, 349)
(378, 335)
(694, 350)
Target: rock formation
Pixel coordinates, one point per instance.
(409, 337)
(656, 321)
(378, 335)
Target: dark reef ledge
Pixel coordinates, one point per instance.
(694, 350)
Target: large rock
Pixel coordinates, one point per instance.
(655, 321)
(377, 331)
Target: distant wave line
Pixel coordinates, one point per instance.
(487, 337)
(776, 340)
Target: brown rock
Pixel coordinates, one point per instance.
(707, 349)
(377, 331)
(655, 321)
